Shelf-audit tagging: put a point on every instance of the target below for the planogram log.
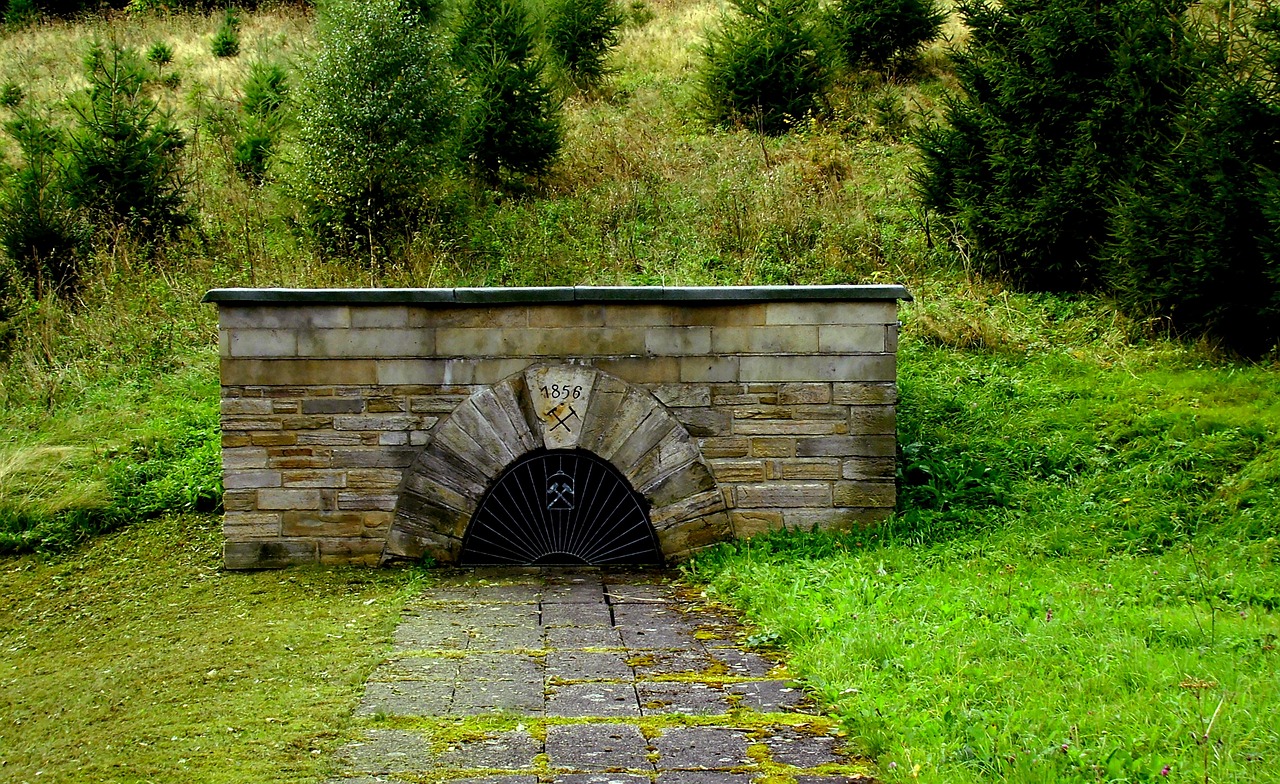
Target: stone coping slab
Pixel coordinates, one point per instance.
(559, 294)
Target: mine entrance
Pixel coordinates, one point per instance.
(561, 507)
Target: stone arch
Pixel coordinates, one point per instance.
(556, 407)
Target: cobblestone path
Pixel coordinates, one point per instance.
(584, 677)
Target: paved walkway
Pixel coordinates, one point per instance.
(583, 677)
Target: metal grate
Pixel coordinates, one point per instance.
(560, 508)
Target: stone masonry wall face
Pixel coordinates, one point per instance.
(325, 406)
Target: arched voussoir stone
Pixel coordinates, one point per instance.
(556, 406)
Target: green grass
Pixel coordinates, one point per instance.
(139, 659)
(1082, 584)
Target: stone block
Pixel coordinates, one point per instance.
(276, 498)
(491, 371)
(379, 316)
(644, 370)
(738, 470)
(284, 406)
(394, 438)
(244, 424)
(727, 315)
(676, 341)
(244, 457)
(818, 468)
(351, 552)
(435, 404)
(704, 422)
(328, 437)
(267, 554)
(864, 494)
(719, 446)
(240, 500)
(682, 395)
(811, 412)
(789, 427)
(304, 372)
(245, 406)
(859, 339)
(835, 519)
(319, 524)
(238, 316)
(764, 340)
(333, 405)
(891, 338)
(825, 367)
(641, 315)
(695, 533)
(749, 522)
(262, 342)
(847, 446)
(872, 420)
(708, 369)
(864, 394)
(313, 478)
(366, 500)
(231, 440)
(386, 405)
(373, 457)
(783, 495)
(550, 316)
(831, 312)
(381, 478)
(250, 480)
(376, 422)
(800, 393)
(480, 316)
(645, 438)
(767, 446)
(273, 438)
(417, 371)
(244, 526)
(868, 468)
(675, 451)
(687, 508)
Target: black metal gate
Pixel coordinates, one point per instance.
(559, 508)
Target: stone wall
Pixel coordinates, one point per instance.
(329, 396)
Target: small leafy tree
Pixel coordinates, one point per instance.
(581, 34)
(764, 67)
(512, 122)
(375, 112)
(123, 167)
(877, 33)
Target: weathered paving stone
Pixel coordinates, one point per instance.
(366, 780)
(500, 667)
(576, 638)
(742, 663)
(680, 697)
(588, 666)
(473, 697)
(574, 592)
(648, 615)
(387, 751)
(701, 748)
(835, 780)
(593, 699)
(430, 634)
(506, 638)
(406, 698)
(597, 746)
(657, 636)
(418, 668)
(649, 664)
(801, 749)
(511, 594)
(513, 750)
(768, 696)
(640, 593)
(496, 780)
(577, 614)
(703, 777)
(601, 778)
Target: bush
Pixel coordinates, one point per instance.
(39, 230)
(375, 111)
(1063, 101)
(511, 125)
(226, 41)
(764, 67)
(1196, 244)
(265, 90)
(879, 32)
(581, 34)
(123, 169)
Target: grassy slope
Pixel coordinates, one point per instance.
(1035, 420)
(137, 659)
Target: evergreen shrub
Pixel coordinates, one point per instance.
(581, 34)
(265, 90)
(226, 41)
(511, 125)
(878, 33)
(764, 68)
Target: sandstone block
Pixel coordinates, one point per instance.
(704, 422)
(268, 554)
(245, 526)
(644, 370)
(872, 420)
(394, 438)
(835, 519)
(245, 406)
(676, 341)
(314, 478)
(367, 500)
(328, 437)
(435, 404)
(562, 316)
(469, 316)
(240, 500)
(682, 395)
(831, 312)
(767, 446)
(374, 457)
(379, 316)
(379, 478)
(738, 470)
(846, 446)
(707, 369)
(233, 316)
(304, 372)
(249, 480)
(764, 340)
(273, 438)
(783, 494)
(820, 468)
(332, 405)
(748, 522)
(720, 446)
(244, 457)
(825, 367)
(272, 498)
(376, 422)
(315, 524)
(864, 394)
(804, 394)
(262, 342)
(868, 468)
(794, 427)
(386, 405)
(864, 494)
(859, 339)
(351, 552)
